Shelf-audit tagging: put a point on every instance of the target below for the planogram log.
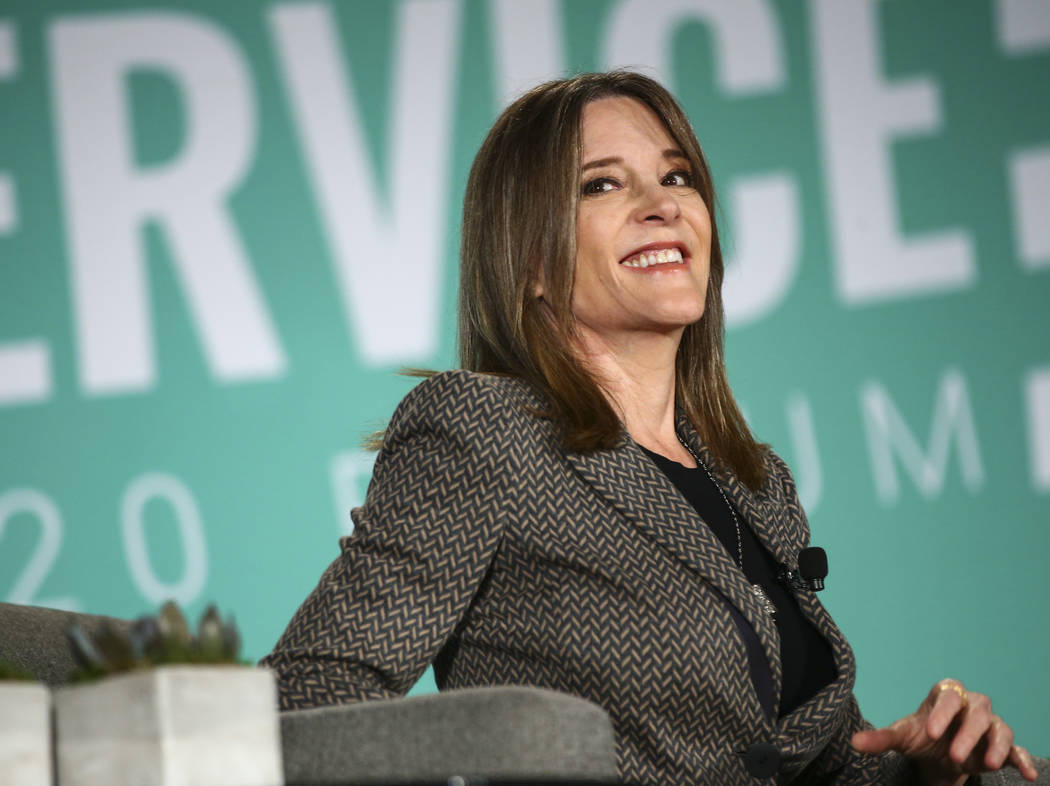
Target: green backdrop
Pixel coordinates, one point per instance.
(224, 227)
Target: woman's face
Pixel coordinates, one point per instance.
(643, 233)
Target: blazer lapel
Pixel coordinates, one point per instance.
(759, 512)
(760, 516)
(771, 518)
(633, 485)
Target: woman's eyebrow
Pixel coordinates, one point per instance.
(601, 162)
(670, 153)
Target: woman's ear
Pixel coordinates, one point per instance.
(538, 288)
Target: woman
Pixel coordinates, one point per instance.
(584, 507)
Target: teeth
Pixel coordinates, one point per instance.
(649, 258)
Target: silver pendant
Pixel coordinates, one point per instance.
(763, 599)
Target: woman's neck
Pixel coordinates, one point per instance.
(637, 373)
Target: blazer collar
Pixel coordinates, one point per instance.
(629, 481)
(758, 509)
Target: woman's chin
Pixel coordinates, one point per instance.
(680, 314)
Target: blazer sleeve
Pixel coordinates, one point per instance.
(839, 764)
(422, 542)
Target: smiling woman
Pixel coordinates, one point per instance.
(632, 301)
(534, 191)
(583, 507)
(638, 204)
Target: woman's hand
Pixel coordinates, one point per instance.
(953, 734)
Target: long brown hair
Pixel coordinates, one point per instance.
(519, 227)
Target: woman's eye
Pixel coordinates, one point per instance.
(599, 185)
(680, 177)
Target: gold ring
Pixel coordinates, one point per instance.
(956, 686)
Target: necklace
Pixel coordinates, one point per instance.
(756, 589)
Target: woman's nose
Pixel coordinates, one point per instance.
(657, 203)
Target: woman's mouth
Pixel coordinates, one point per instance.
(663, 256)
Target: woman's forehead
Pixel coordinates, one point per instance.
(614, 125)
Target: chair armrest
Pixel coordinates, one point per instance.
(33, 638)
(510, 733)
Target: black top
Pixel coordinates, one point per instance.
(806, 658)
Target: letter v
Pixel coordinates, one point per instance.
(388, 259)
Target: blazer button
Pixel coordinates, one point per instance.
(762, 760)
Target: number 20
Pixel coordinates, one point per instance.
(146, 487)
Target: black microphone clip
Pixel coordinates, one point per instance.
(811, 572)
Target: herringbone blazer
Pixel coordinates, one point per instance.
(487, 549)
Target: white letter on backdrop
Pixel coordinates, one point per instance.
(861, 115)
(25, 366)
(749, 59)
(765, 256)
(888, 433)
(1029, 178)
(1023, 25)
(349, 472)
(160, 486)
(39, 566)
(1024, 29)
(388, 260)
(527, 45)
(1037, 393)
(25, 372)
(8, 71)
(809, 477)
(108, 197)
(744, 35)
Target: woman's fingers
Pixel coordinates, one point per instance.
(953, 732)
(1022, 759)
(980, 740)
(874, 741)
(946, 699)
(971, 740)
(1000, 744)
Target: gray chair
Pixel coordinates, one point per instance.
(499, 734)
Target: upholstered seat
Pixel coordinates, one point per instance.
(499, 734)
